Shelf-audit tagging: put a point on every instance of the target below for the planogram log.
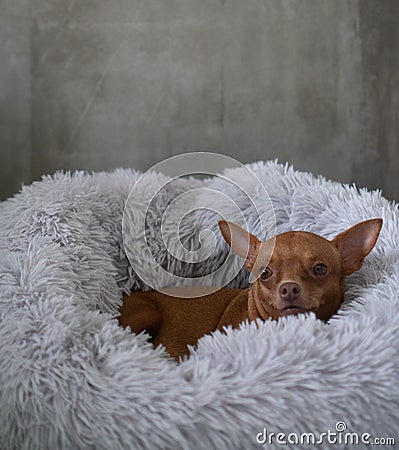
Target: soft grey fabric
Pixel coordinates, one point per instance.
(71, 378)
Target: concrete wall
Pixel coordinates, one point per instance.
(98, 85)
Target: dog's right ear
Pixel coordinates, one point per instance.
(241, 241)
(356, 243)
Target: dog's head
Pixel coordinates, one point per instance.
(299, 272)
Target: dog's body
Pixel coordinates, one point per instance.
(178, 322)
(302, 273)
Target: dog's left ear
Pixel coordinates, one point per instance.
(241, 241)
(356, 243)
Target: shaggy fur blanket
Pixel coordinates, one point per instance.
(71, 378)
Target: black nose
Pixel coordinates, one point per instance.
(289, 291)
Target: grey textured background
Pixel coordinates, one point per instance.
(98, 85)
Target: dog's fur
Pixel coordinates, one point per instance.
(296, 272)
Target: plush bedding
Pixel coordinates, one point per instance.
(71, 378)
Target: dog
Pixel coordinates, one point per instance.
(296, 272)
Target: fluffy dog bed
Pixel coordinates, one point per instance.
(71, 378)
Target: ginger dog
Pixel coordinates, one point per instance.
(303, 273)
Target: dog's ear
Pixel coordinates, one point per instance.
(241, 241)
(356, 243)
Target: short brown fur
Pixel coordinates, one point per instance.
(286, 284)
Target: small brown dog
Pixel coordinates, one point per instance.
(303, 273)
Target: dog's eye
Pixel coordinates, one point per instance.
(320, 269)
(267, 273)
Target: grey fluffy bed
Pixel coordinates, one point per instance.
(71, 378)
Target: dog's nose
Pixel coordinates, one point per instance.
(289, 291)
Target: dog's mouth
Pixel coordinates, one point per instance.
(292, 309)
